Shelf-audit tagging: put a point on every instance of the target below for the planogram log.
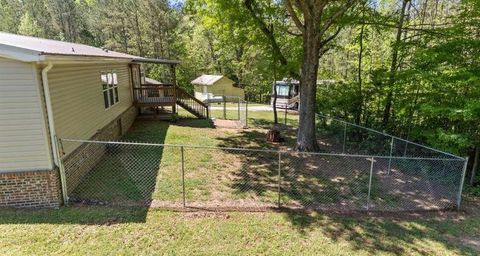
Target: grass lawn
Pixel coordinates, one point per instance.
(222, 178)
(97, 230)
(104, 230)
(227, 178)
(211, 174)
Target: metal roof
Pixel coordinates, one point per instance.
(207, 79)
(149, 80)
(41, 46)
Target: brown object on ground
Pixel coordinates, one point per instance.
(273, 135)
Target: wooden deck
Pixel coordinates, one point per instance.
(169, 96)
(154, 95)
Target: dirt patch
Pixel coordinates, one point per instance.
(230, 124)
(200, 215)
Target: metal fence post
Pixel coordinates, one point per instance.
(390, 158)
(462, 180)
(246, 114)
(63, 177)
(370, 183)
(224, 108)
(238, 108)
(183, 177)
(279, 177)
(286, 108)
(344, 137)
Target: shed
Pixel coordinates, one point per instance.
(214, 86)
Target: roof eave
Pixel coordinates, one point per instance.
(156, 61)
(20, 54)
(66, 59)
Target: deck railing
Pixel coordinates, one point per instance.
(165, 95)
(155, 94)
(187, 100)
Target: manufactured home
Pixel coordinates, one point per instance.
(216, 87)
(51, 89)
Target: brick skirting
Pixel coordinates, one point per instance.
(32, 189)
(79, 162)
(42, 189)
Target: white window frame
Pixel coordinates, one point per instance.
(110, 95)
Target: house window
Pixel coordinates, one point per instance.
(109, 88)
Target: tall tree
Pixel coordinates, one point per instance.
(394, 64)
(313, 18)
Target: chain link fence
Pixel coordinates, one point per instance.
(216, 178)
(229, 108)
(341, 137)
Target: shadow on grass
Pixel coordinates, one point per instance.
(379, 234)
(84, 215)
(252, 138)
(304, 183)
(125, 175)
(195, 123)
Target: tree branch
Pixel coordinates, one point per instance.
(249, 4)
(294, 16)
(330, 38)
(331, 19)
(302, 6)
(293, 33)
(409, 28)
(323, 51)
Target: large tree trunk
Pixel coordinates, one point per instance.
(306, 138)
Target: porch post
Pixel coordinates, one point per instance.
(174, 83)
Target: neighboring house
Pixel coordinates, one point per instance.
(51, 89)
(208, 87)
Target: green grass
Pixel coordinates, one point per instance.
(217, 174)
(137, 231)
(139, 173)
(224, 176)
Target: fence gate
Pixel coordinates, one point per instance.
(229, 108)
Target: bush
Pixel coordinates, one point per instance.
(472, 190)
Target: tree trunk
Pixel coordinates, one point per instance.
(275, 93)
(475, 165)
(393, 67)
(306, 138)
(358, 115)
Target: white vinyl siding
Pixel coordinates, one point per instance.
(23, 136)
(78, 102)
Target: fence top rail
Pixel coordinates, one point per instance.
(259, 150)
(391, 136)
